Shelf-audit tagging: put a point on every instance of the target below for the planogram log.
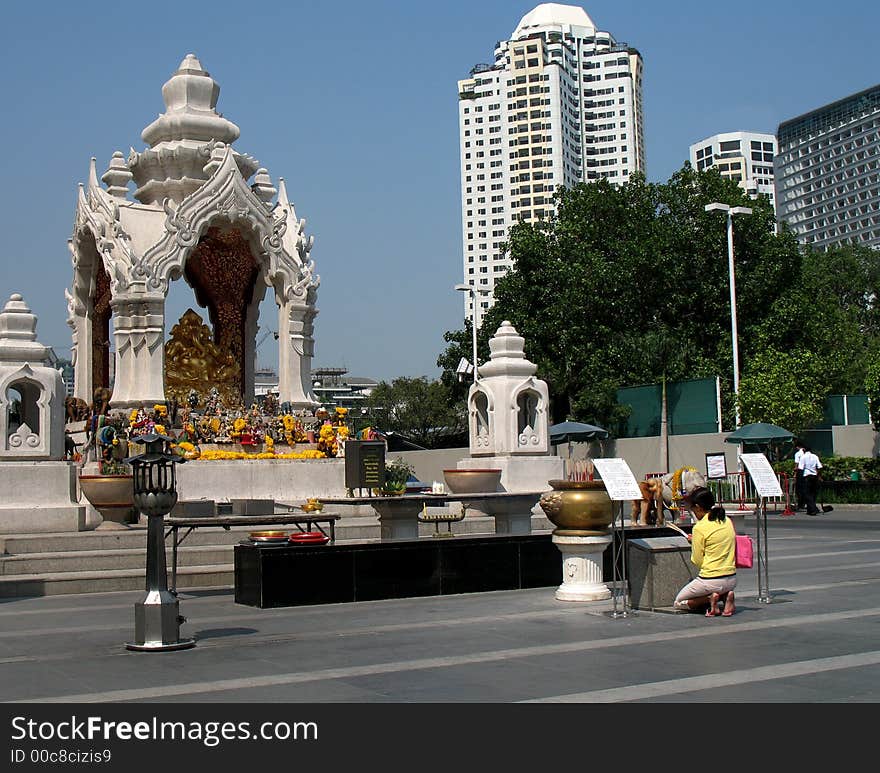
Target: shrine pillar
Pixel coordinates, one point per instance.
(138, 333)
(81, 353)
(296, 347)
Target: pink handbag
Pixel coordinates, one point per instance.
(744, 550)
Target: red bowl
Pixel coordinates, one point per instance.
(309, 538)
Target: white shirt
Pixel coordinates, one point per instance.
(798, 455)
(810, 464)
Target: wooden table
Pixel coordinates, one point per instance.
(302, 521)
(399, 515)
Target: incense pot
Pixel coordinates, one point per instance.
(578, 507)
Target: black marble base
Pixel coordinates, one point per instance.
(294, 575)
(278, 576)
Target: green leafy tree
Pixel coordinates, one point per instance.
(872, 389)
(783, 388)
(418, 409)
(628, 284)
(460, 345)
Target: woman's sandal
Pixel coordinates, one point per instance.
(729, 605)
(712, 611)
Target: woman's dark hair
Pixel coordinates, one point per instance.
(706, 499)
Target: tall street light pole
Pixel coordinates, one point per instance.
(473, 293)
(731, 211)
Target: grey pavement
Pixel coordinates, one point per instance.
(816, 641)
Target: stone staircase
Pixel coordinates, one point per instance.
(115, 559)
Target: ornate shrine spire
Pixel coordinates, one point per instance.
(190, 97)
(181, 139)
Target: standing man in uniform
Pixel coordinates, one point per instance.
(799, 477)
(810, 465)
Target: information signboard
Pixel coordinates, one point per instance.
(716, 466)
(765, 480)
(620, 483)
(364, 464)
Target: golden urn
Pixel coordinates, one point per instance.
(578, 507)
(111, 495)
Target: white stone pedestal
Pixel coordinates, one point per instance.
(40, 497)
(519, 473)
(582, 568)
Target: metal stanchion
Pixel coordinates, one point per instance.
(618, 566)
(761, 540)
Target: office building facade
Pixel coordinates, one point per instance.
(828, 173)
(745, 157)
(561, 104)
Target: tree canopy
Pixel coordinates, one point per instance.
(421, 410)
(626, 285)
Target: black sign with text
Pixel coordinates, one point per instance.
(364, 464)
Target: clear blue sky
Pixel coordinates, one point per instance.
(355, 105)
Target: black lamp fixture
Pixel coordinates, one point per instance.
(157, 616)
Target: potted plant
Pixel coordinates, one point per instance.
(397, 473)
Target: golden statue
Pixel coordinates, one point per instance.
(194, 361)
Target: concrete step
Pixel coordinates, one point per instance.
(93, 560)
(61, 583)
(135, 537)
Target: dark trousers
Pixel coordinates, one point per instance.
(799, 489)
(811, 485)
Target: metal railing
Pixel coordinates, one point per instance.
(736, 491)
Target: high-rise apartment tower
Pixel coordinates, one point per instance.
(745, 157)
(828, 172)
(561, 104)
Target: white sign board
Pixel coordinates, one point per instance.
(620, 483)
(716, 466)
(765, 480)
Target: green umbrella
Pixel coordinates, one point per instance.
(759, 433)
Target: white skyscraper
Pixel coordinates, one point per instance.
(561, 104)
(746, 157)
(828, 172)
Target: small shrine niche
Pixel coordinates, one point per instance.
(21, 401)
(31, 391)
(507, 405)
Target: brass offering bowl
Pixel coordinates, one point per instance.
(476, 481)
(578, 507)
(269, 536)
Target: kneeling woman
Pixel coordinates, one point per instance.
(713, 550)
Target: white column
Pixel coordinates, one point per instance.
(295, 350)
(582, 568)
(139, 335)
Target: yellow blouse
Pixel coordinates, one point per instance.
(713, 547)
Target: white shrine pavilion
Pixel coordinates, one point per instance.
(202, 211)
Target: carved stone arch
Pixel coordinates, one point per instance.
(31, 392)
(226, 195)
(228, 277)
(531, 414)
(481, 404)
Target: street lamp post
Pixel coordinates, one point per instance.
(731, 211)
(473, 293)
(157, 616)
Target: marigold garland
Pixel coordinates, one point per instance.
(676, 483)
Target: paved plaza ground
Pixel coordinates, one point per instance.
(815, 642)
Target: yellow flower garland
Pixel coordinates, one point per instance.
(676, 484)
